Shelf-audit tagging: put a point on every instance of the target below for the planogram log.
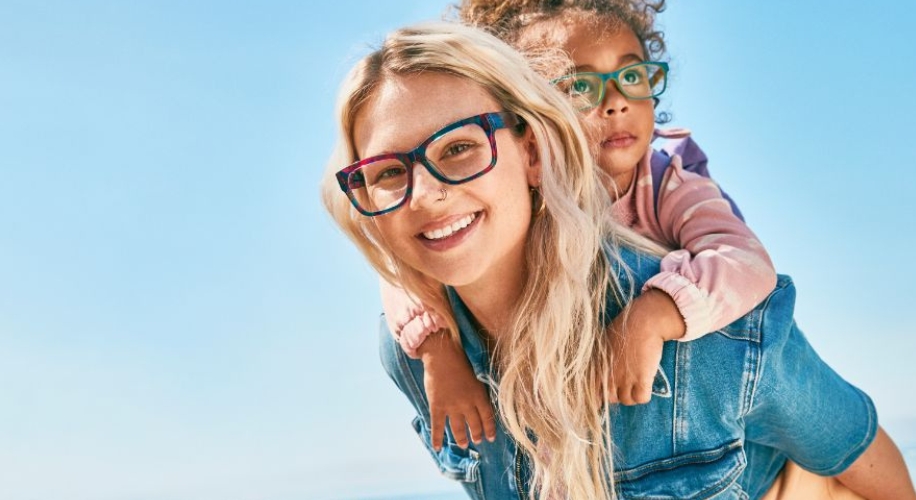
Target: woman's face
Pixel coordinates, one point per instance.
(475, 234)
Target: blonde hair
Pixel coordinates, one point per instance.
(554, 359)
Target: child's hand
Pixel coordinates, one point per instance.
(407, 319)
(637, 355)
(416, 330)
(637, 339)
(454, 392)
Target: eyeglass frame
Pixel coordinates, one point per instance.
(489, 122)
(614, 75)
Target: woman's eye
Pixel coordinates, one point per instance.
(390, 173)
(456, 149)
(356, 180)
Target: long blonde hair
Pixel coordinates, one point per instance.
(554, 359)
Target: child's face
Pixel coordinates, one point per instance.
(620, 128)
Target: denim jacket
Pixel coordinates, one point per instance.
(727, 411)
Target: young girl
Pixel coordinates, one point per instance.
(717, 270)
(470, 180)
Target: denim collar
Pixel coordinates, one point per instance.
(479, 357)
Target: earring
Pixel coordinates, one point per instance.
(538, 205)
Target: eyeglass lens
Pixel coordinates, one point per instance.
(456, 155)
(641, 81)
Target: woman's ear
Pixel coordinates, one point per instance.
(533, 169)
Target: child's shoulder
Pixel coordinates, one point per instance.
(680, 159)
(671, 133)
(678, 155)
(678, 142)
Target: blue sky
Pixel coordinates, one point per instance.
(179, 319)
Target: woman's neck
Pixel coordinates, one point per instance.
(493, 300)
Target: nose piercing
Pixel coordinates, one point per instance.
(443, 193)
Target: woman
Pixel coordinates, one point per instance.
(469, 182)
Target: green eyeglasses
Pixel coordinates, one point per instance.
(645, 80)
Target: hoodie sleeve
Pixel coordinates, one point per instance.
(720, 270)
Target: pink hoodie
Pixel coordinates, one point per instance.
(719, 270)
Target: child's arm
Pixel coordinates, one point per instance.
(719, 273)
(408, 321)
(454, 392)
(720, 270)
(451, 387)
(880, 472)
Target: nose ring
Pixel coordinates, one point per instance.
(443, 193)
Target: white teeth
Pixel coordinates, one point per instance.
(449, 230)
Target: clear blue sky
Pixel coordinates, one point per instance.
(179, 319)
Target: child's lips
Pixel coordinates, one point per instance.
(618, 141)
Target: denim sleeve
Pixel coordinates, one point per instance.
(800, 406)
(405, 372)
(484, 470)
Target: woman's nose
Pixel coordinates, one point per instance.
(426, 188)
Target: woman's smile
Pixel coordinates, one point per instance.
(445, 235)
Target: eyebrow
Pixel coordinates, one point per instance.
(415, 146)
(626, 60)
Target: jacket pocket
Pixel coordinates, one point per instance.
(689, 476)
(454, 462)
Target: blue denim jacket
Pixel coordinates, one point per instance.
(727, 411)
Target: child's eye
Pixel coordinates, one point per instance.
(580, 87)
(631, 77)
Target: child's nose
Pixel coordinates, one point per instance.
(614, 101)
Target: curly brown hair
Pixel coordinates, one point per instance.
(510, 20)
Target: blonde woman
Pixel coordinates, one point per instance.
(464, 176)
